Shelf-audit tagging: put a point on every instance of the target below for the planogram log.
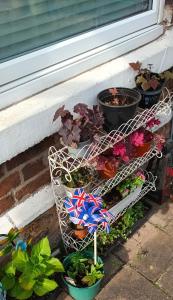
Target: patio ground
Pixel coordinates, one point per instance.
(142, 268)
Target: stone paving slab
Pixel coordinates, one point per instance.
(154, 257)
(111, 266)
(166, 280)
(130, 285)
(162, 215)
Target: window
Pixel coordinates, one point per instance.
(38, 38)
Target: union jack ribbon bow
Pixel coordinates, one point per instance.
(87, 210)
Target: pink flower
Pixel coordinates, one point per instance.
(137, 138)
(119, 149)
(152, 122)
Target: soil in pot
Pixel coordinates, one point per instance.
(118, 106)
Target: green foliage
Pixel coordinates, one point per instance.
(79, 178)
(7, 241)
(94, 275)
(28, 273)
(122, 228)
(83, 271)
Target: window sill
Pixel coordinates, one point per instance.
(28, 122)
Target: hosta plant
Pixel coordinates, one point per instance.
(87, 123)
(29, 271)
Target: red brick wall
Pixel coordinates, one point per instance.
(24, 174)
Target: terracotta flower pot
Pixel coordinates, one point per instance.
(80, 232)
(141, 150)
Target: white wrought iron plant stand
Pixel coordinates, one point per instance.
(60, 160)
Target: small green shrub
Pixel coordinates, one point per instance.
(28, 271)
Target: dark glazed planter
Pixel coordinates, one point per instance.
(117, 115)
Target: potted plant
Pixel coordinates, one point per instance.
(106, 166)
(83, 280)
(148, 83)
(142, 139)
(77, 131)
(82, 277)
(118, 106)
(80, 178)
(29, 271)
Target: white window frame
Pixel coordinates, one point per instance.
(31, 73)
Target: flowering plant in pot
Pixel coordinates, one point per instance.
(87, 210)
(149, 84)
(29, 271)
(80, 178)
(142, 139)
(118, 106)
(77, 132)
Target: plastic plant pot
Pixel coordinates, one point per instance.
(80, 232)
(86, 293)
(141, 150)
(70, 191)
(117, 115)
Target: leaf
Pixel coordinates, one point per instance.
(113, 91)
(7, 249)
(27, 281)
(41, 248)
(13, 234)
(81, 109)
(10, 269)
(20, 259)
(45, 286)
(54, 265)
(136, 66)
(145, 85)
(8, 282)
(61, 112)
(154, 83)
(18, 293)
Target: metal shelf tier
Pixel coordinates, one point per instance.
(100, 186)
(78, 245)
(61, 159)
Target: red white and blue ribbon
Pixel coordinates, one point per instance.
(87, 210)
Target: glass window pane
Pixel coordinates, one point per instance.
(27, 25)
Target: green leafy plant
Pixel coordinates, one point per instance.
(93, 275)
(8, 241)
(79, 178)
(122, 228)
(28, 271)
(82, 271)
